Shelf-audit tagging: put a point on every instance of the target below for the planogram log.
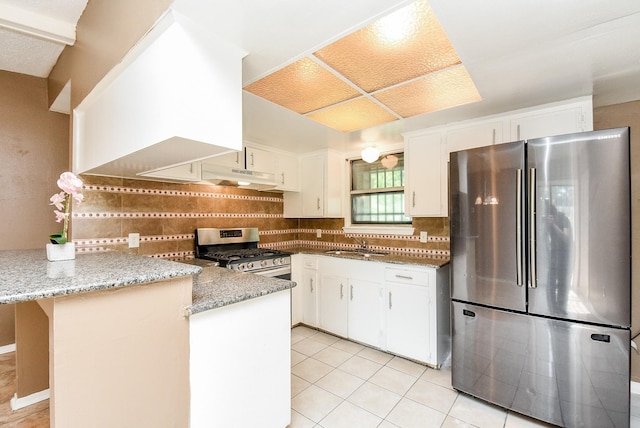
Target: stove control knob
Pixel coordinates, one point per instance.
(240, 266)
(263, 263)
(250, 265)
(276, 261)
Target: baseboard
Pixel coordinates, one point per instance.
(635, 387)
(36, 397)
(7, 348)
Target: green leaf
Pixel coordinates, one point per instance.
(57, 238)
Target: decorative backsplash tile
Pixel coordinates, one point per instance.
(167, 214)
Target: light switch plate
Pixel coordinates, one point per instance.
(134, 240)
(318, 233)
(423, 237)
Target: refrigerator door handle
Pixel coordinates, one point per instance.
(519, 222)
(533, 281)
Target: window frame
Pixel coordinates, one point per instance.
(377, 228)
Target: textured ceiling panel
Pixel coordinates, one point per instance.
(438, 91)
(26, 54)
(406, 44)
(303, 86)
(33, 33)
(353, 115)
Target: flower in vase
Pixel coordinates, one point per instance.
(71, 187)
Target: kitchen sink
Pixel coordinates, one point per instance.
(364, 252)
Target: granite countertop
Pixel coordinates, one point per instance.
(28, 275)
(386, 258)
(215, 287)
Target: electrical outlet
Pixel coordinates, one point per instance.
(134, 240)
(318, 233)
(423, 237)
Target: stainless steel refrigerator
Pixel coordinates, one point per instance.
(541, 276)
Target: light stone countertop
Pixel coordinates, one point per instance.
(215, 287)
(400, 259)
(28, 275)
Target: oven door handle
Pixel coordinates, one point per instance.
(273, 272)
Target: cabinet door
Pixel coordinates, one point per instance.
(423, 175)
(561, 121)
(287, 172)
(332, 304)
(312, 186)
(232, 160)
(366, 321)
(259, 160)
(409, 321)
(309, 297)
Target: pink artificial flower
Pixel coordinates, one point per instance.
(70, 183)
(58, 200)
(59, 216)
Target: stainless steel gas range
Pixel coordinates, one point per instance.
(237, 249)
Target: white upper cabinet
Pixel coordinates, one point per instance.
(427, 195)
(422, 174)
(259, 160)
(564, 119)
(287, 172)
(321, 187)
(175, 98)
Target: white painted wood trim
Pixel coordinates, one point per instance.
(7, 348)
(635, 387)
(36, 397)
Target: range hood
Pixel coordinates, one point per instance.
(238, 177)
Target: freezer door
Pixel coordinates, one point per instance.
(562, 372)
(580, 219)
(486, 208)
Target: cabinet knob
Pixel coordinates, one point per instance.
(341, 291)
(413, 199)
(390, 303)
(282, 181)
(351, 291)
(311, 285)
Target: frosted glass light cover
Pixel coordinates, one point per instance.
(353, 115)
(303, 86)
(434, 92)
(404, 45)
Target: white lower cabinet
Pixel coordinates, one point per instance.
(410, 315)
(403, 310)
(366, 321)
(332, 304)
(309, 291)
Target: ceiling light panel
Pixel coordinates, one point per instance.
(353, 115)
(438, 91)
(401, 46)
(303, 86)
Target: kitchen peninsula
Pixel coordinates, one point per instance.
(118, 330)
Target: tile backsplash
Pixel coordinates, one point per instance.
(166, 216)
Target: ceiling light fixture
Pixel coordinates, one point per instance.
(370, 154)
(389, 161)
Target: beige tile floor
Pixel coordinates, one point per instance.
(336, 383)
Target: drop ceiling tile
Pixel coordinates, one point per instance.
(438, 91)
(303, 86)
(353, 115)
(404, 45)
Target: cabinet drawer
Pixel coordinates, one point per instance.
(310, 263)
(407, 276)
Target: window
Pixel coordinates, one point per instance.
(377, 192)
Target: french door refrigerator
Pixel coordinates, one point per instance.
(541, 276)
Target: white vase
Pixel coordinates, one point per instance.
(58, 252)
